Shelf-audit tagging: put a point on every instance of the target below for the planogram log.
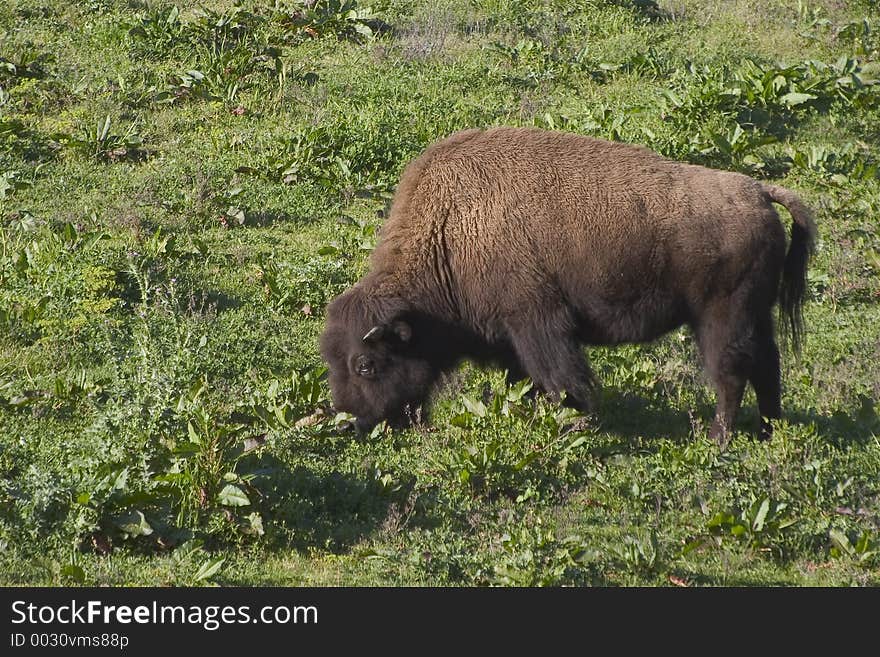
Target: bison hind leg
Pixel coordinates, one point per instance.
(550, 354)
(736, 349)
(765, 376)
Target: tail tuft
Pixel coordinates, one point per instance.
(792, 291)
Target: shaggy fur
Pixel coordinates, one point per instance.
(516, 246)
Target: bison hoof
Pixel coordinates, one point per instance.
(720, 435)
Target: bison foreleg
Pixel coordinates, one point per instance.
(551, 355)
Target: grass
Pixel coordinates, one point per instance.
(182, 191)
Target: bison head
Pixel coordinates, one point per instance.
(377, 369)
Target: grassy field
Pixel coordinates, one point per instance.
(182, 191)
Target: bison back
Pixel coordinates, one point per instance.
(512, 220)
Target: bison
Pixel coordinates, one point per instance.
(517, 246)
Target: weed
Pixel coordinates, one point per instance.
(532, 556)
(101, 143)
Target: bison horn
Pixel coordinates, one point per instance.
(374, 334)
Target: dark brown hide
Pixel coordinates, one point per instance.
(517, 246)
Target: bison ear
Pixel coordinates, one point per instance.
(374, 334)
(402, 330)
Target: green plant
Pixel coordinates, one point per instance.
(343, 19)
(29, 63)
(840, 165)
(861, 37)
(306, 286)
(753, 105)
(225, 49)
(281, 404)
(639, 553)
(756, 524)
(206, 462)
(864, 551)
(487, 462)
(103, 144)
(11, 182)
(160, 28)
(533, 63)
(534, 557)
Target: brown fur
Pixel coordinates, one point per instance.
(518, 245)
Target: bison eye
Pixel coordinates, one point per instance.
(365, 367)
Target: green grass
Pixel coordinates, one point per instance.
(182, 192)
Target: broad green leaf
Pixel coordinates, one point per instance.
(692, 545)
(722, 144)
(673, 98)
(761, 515)
(232, 496)
(5, 184)
(720, 519)
(525, 461)
(462, 420)
(74, 572)
(795, 98)
(134, 523)
(577, 442)
(209, 568)
(272, 392)
(474, 406)
(186, 449)
(193, 434)
(282, 414)
(121, 480)
(841, 541)
(254, 524)
(104, 130)
(518, 390)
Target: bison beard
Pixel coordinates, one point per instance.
(517, 246)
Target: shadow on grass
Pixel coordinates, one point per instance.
(840, 429)
(30, 145)
(202, 300)
(268, 218)
(328, 510)
(632, 417)
(312, 507)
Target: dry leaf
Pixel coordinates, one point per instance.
(309, 420)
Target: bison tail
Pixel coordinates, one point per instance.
(794, 273)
